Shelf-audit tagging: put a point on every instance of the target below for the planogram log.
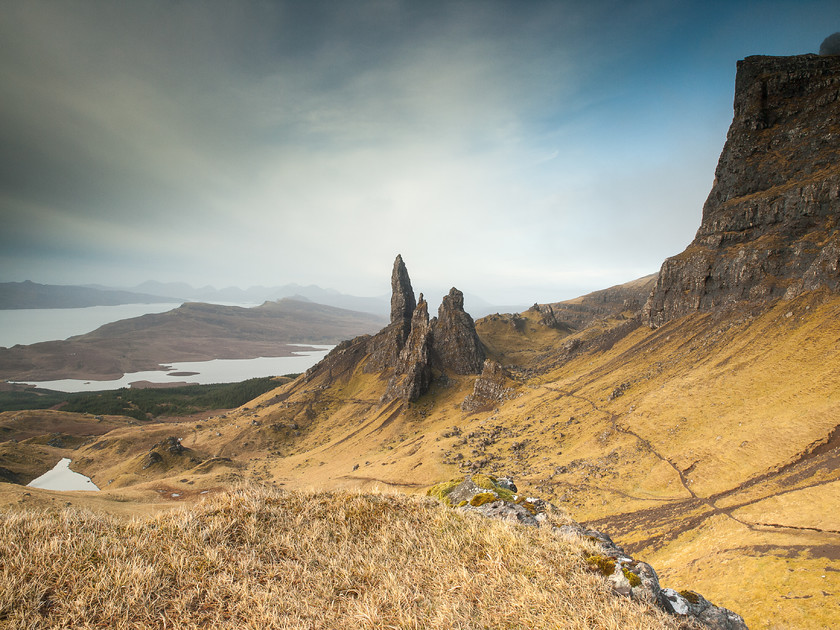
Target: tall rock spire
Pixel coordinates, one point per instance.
(388, 344)
(402, 295)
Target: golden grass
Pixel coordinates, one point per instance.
(255, 558)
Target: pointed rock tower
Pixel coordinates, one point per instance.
(410, 349)
(455, 344)
(389, 342)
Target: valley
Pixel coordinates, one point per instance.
(691, 415)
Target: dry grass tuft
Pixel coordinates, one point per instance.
(255, 558)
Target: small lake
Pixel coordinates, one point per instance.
(62, 478)
(207, 372)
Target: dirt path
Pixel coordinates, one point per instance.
(679, 516)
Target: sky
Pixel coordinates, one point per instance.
(520, 150)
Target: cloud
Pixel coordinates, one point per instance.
(504, 147)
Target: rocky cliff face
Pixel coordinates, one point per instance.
(456, 345)
(411, 348)
(769, 227)
(413, 371)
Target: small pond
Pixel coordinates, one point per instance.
(62, 478)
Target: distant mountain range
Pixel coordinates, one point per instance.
(21, 295)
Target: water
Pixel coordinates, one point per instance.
(62, 478)
(26, 326)
(215, 371)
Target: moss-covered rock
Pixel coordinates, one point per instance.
(482, 498)
(634, 579)
(601, 564)
(441, 491)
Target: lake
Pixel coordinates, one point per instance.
(208, 372)
(27, 326)
(32, 325)
(62, 478)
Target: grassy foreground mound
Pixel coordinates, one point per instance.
(257, 558)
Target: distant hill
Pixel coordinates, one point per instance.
(191, 332)
(27, 294)
(259, 294)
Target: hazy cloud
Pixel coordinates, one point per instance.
(521, 151)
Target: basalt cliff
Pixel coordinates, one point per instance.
(769, 227)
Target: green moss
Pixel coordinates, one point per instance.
(441, 490)
(690, 596)
(527, 505)
(634, 579)
(605, 566)
(488, 482)
(482, 498)
(504, 494)
(485, 481)
(462, 503)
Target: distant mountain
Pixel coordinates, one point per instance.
(192, 332)
(19, 295)
(379, 305)
(259, 294)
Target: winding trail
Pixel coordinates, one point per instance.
(675, 518)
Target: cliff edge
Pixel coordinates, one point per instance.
(769, 227)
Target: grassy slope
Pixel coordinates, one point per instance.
(716, 463)
(260, 559)
(708, 464)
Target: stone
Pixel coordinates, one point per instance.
(152, 458)
(770, 224)
(831, 45)
(455, 343)
(489, 389)
(402, 295)
(413, 372)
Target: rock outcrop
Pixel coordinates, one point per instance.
(493, 497)
(456, 345)
(411, 349)
(413, 371)
(490, 388)
(388, 343)
(770, 223)
(581, 312)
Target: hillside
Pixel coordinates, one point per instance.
(191, 332)
(690, 415)
(261, 559)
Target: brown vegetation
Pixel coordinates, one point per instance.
(255, 558)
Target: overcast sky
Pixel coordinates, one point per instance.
(520, 150)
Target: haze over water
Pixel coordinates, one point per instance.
(31, 325)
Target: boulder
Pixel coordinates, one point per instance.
(490, 388)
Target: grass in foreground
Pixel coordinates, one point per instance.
(256, 558)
